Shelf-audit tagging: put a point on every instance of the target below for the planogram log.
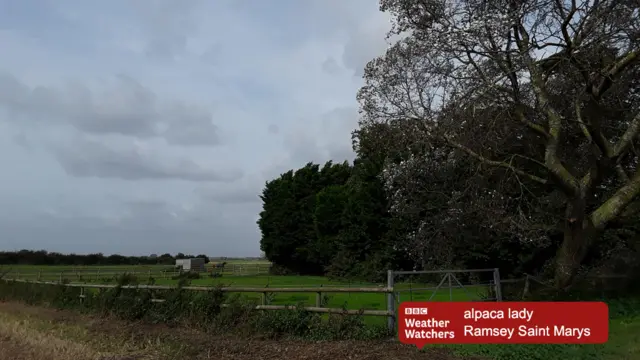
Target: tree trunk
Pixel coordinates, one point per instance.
(579, 233)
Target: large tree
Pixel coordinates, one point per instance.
(543, 94)
(291, 221)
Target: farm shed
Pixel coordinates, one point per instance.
(193, 264)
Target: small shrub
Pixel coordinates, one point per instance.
(279, 270)
(126, 279)
(238, 314)
(205, 306)
(190, 275)
(296, 322)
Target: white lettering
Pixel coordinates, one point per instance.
(578, 333)
(521, 314)
(426, 323)
(525, 331)
(484, 332)
(428, 334)
(483, 314)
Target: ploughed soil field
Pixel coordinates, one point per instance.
(36, 333)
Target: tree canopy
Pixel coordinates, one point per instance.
(541, 98)
(502, 133)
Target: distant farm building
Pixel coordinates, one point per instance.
(193, 264)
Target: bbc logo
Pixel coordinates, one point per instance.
(416, 311)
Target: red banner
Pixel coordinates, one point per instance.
(423, 323)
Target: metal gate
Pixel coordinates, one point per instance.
(447, 280)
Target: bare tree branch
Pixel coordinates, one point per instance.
(617, 203)
(486, 161)
(563, 177)
(627, 138)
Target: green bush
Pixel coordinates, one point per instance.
(189, 275)
(278, 270)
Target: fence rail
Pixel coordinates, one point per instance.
(392, 293)
(223, 289)
(264, 291)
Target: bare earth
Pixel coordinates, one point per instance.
(35, 333)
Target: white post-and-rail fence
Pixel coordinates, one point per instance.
(391, 293)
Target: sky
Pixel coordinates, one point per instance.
(139, 127)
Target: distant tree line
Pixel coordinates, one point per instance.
(42, 257)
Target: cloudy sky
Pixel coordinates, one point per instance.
(146, 126)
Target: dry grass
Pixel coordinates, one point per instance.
(19, 340)
(26, 336)
(35, 333)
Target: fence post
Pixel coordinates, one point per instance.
(525, 291)
(39, 275)
(61, 276)
(496, 281)
(391, 326)
(319, 298)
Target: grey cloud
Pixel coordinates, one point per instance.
(330, 141)
(330, 66)
(302, 147)
(241, 195)
(195, 129)
(214, 54)
(364, 45)
(21, 140)
(147, 213)
(341, 152)
(167, 25)
(128, 108)
(146, 205)
(87, 158)
(166, 47)
(273, 129)
(19, 99)
(245, 191)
